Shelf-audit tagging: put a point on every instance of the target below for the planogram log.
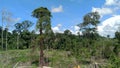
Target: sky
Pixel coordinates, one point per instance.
(66, 14)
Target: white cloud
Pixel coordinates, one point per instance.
(110, 2)
(75, 30)
(110, 7)
(109, 26)
(57, 29)
(57, 9)
(102, 11)
(10, 21)
(13, 20)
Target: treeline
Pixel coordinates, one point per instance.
(80, 46)
(19, 38)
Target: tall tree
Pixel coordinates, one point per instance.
(44, 25)
(6, 16)
(25, 35)
(3, 14)
(89, 29)
(89, 24)
(18, 27)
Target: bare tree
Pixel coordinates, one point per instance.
(3, 18)
(6, 19)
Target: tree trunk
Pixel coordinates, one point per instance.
(2, 31)
(2, 38)
(41, 60)
(17, 41)
(6, 40)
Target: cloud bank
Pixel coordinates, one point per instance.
(110, 25)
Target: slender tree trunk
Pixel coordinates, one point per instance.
(6, 40)
(2, 37)
(17, 41)
(2, 28)
(6, 45)
(41, 60)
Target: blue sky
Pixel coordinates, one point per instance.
(66, 13)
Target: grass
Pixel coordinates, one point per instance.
(54, 58)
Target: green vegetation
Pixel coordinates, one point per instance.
(23, 47)
(56, 58)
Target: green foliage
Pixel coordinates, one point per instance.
(91, 18)
(89, 25)
(117, 49)
(115, 61)
(43, 15)
(26, 24)
(117, 35)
